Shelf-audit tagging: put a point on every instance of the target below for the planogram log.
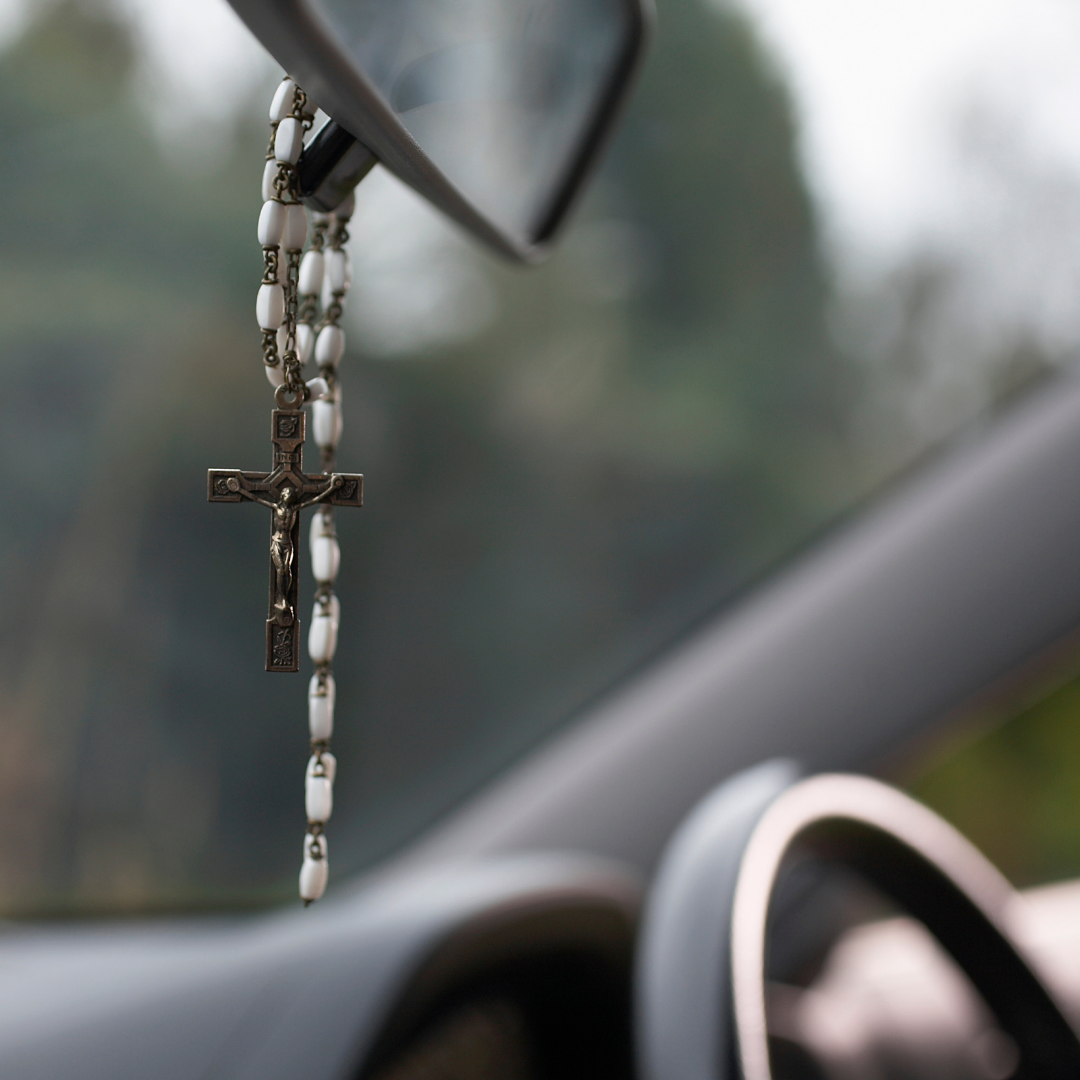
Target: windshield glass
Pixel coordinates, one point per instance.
(818, 247)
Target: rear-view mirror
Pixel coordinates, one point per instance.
(494, 110)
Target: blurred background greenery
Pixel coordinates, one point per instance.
(580, 465)
(1009, 783)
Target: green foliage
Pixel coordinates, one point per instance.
(1013, 791)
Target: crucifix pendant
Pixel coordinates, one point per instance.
(286, 490)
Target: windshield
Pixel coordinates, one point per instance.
(810, 256)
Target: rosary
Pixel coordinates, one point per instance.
(293, 332)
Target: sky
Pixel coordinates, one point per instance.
(883, 88)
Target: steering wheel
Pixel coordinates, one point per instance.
(701, 988)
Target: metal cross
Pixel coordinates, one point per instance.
(286, 491)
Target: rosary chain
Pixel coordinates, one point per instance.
(301, 300)
(283, 223)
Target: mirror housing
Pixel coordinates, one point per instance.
(301, 37)
(332, 164)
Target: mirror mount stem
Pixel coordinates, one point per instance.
(332, 164)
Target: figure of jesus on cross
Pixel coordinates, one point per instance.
(286, 490)
(282, 552)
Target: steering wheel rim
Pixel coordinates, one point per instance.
(701, 988)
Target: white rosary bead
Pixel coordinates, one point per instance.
(282, 339)
(305, 342)
(270, 172)
(344, 210)
(322, 693)
(326, 422)
(272, 223)
(289, 140)
(282, 103)
(318, 389)
(322, 524)
(311, 273)
(328, 768)
(322, 637)
(325, 559)
(313, 876)
(275, 374)
(270, 306)
(329, 346)
(318, 798)
(338, 269)
(295, 231)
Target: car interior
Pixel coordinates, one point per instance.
(711, 705)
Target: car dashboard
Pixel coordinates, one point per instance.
(509, 969)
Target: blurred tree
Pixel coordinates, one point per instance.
(118, 289)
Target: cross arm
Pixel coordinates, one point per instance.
(229, 485)
(348, 492)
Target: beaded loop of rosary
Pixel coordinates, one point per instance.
(299, 309)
